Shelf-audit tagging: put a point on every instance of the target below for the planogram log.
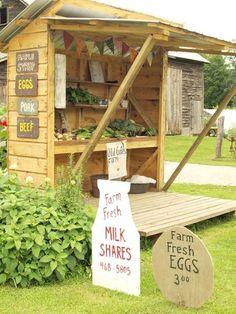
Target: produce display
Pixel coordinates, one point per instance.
(79, 95)
(116, 129)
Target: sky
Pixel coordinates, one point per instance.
(215, 18)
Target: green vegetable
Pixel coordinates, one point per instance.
(79, 95)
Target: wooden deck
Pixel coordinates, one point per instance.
(154, 212)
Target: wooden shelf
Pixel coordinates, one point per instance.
(96, 107)
(87, 106)
(96, 83)
(78, 146)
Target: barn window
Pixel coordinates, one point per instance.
(3, 16)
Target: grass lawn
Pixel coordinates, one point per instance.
(177, 146)
(225, 192)
(80, 296)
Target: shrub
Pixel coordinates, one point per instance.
(3, 137)
(40, 240)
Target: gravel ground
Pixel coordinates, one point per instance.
(202, 174)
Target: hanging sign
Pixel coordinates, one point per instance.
(27, 127)
(115, 240)
(27, 85)
(183, 267)
(27, 61)
(117, 159)
(27, 107)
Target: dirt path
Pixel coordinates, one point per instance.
(202, 174)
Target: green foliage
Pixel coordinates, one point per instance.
(79, 95)
(3, 137)
(216, 80)
(42, 237)
(231, 63)
(116, 129)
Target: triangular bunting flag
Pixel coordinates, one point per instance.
(79, 46)
(125, 48)
(150, 58)
(110, 44)
(100, 46)
(90, 46)
(133, 54)
(118, 45)
(68, 39)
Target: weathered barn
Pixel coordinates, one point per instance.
(185, 93)
(3, 78)
(9, 9)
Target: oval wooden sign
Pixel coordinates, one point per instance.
(183, 267)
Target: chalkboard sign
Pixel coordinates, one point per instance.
(183, 267)
(27, 127)
(27, 107)
(27, 61)
(27, 85)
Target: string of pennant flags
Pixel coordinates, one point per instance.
(112, 44)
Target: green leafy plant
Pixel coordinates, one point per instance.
(79, 95)
(44, 236)
(3, 137)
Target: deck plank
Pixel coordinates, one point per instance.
(154, 212)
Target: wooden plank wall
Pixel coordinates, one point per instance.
(146, 89)
(174, 101)
(3, 94)
(196, 109)
(29, 156)
(78, 75)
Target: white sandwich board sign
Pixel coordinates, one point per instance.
(117, 159)
(115, 240)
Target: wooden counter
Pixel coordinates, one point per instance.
(77, 146)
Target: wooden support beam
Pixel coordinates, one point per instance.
(22, 22)
(51, 109)
(209, 51)
(161, 121)
(201, 136)
(120, 94)
(140, 111)
(193, 36)
(148, 162)
(136, 31)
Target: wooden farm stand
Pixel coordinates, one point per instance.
(40, 29)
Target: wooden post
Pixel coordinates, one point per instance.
(120, 94)
(51, 109)
(161, 122)
(201, 136)
(220, 133)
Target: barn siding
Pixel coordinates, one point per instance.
(192, 91)
(14, 8)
